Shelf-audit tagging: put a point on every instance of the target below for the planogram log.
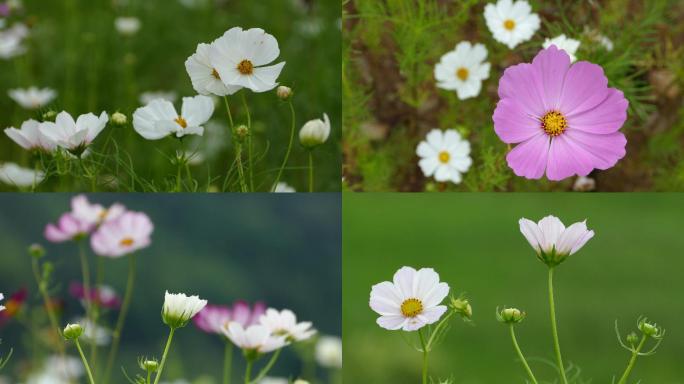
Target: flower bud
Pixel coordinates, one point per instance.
(148, 365)
(649, 329)
(73, 331)
(284, 93)
(36, 250)
(462, 307)
(241, 133)
(119, 118)
(632, 339)
(315, 132)
(510, 315)
(49, 116)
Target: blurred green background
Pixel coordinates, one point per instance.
(74, 48)
(632, 267)
(284, 250)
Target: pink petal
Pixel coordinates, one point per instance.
(606, 117)
(604, 150)
(522, 84)
(528, 159)
(585, 87)
(567, 160)
(512, 124)
(552, 64)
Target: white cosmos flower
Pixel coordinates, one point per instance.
(411, 301)
(147, 97)
(463, 69)
(444, 155)
(315, 132)
(2, 307)
(329, 352)
(511, 22)
(274, 380)
(11, 43)
(284, 323)
(58, 370)
(71, 135)
(32, 97)
(159, 118)
(552, 241)
(256, 338)
(95, 333)
(240, 56)
(127, 26)
(94, 214)
(29, 137)
(283, 187)
(205, 79)
(179, 309)
(12, 174)
(564, 43)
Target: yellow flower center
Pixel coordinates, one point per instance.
(102, 215)
(509, 24)
(444, 157)
(554, 123)
(411, 307)
(215, 74)
(462, 73)
(246, 67)
(126, 242)
(181, 121)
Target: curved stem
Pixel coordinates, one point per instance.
(227, 362)
(425, 355)
(267, 368)
(248, 371)
(289, 146)
(85, 268)
(249, 142)
(311, 172)
(85, 362)
(116, 336)
(554, 330)
(632, 361)
(230, 116)
(46, 302)
(439, 326)
(166, 352)
(521, 356)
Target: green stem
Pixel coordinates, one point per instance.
(425, 355)
(230, 116)
(439, 326)
(267, 368)
(289, 146)
(227, 362)
(85, 362)
(85, 268)
(248, 371)
(116, 335)
(241, 170)
(521, 356)
(249, 142)
(632, 361)
(311, 172)
(46, 302)
(99, 272)
(166, 352)
(554, 330)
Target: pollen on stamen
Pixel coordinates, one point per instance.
(411, 307)
(245, 67)
(554, 123)
(126, 242)
(215, 74)
(444, 157)
(509, 24)
(462, 73)
(181, 121)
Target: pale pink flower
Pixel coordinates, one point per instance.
(67, 228)
(94, 214)
(124, 235)
(213, 318)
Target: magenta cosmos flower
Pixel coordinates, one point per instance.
(103, 296)
(124, 235)
(214, 318)
(67, 228)
(564, 119)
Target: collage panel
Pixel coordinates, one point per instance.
(170, 95)
(513, 95)
(457, 275)
(179, 289)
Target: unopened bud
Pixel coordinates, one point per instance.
(462, 307)
(632, 338)
(649, 329)
(49, 116)
(315, 132)
(119, 118)
(36, 250)
(510, 315)
(284, 93)
(241, 132)
(73, 331)
(148, 365)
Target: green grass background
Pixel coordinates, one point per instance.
(221, 247)
(75, 49)
(632, 267)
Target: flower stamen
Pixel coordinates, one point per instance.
(245, 67)
(126, 242)
(215, 73)
(181, 121)
(411, 307)
(509, 24)
(554, 123)
(444, 157)
(462, 73)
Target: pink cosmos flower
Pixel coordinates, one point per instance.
(67, 228)
(214, 318)
(124, 235)
(103, 296)
(564, 118)
(94, 214)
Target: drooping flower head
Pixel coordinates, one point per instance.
(552, 241)
(284, 323)
(315, 132)
(564, 118)
(240, 57)
(411, 301)
(178, 309)
(124, 235)
(511, 22)
(463, 69)
(213, 318)
(103, 296)
(94, 214)
(159, 118)
(444, 155)
(13, 174)
(567, 44)
(74, 136)
(30, 138)
(255, 339)
(33, 97)
(205, 79)
(67, 228)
